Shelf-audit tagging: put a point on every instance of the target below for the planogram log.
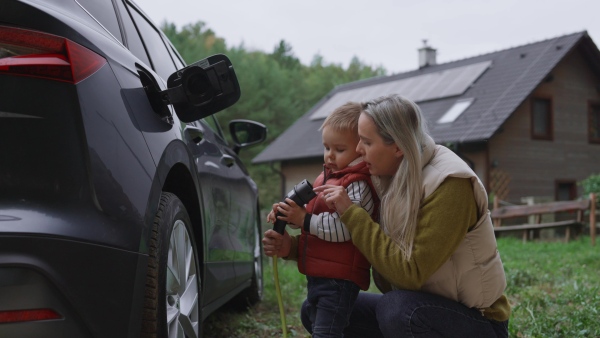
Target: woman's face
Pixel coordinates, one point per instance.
(381, 158)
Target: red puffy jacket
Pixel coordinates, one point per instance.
(341, 260)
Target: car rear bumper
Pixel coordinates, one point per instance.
(80, 281)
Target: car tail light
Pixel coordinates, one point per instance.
(27, 315)
(31, 53)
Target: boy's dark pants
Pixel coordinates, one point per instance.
(328, 305)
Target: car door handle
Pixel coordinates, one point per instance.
(227, 160)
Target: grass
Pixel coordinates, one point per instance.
(263, 320)
(553, 287)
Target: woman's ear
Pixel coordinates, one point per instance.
(398, 153)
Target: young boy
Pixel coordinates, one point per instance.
(335, 269)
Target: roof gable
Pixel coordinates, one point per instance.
(496, 84)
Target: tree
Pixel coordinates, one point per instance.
(284, 56)
(194, 41)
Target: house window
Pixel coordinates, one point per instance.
(455, 111)
(565, 190)
(541, 119)
(594, 123)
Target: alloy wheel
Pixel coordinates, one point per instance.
(182, 285)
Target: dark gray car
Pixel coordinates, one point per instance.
(123, 210)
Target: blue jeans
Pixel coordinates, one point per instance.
(328, 306)
(415, 314)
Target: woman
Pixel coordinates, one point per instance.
(434, 249)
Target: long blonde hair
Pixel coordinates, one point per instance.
(399, 120)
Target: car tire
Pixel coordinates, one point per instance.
(171, 308)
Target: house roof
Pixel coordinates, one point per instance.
(495, 84)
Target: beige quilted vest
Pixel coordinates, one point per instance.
(474, 274)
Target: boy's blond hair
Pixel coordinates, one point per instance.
(343, 118)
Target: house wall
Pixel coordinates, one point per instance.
(533, 166)
(295, 171)
(479, 160)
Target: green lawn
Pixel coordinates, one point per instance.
(554, 289)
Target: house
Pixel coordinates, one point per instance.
(526, 119)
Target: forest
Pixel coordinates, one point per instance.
(276, 88)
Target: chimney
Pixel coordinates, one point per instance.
(426, 55)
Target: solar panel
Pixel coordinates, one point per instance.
(431, 86)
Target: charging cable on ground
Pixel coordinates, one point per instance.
(301, 195)
(279, 298)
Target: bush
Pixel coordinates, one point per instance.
(591, 185)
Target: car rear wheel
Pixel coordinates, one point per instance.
(172, 295)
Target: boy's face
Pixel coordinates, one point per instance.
(340, 148)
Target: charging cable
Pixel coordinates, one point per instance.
(279, 299)
(301, 194)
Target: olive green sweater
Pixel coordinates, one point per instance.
(434, 241)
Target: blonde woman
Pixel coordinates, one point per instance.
(434, 248)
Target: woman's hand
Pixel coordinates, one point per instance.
(276, 244)
(335, 197)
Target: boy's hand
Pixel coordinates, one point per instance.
(271, 215)
(292, 213)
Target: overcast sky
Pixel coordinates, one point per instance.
(384, 33)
